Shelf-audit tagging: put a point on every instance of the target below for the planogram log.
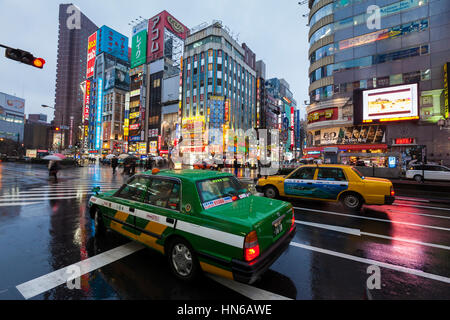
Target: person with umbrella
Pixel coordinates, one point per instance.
(53, 166)
(114, 164)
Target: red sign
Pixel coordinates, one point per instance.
(134, 126)
(87, 100)
(92, 47)
(323, 115)
(404, 141)
(156, 27)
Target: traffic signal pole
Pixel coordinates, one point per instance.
(23, 57)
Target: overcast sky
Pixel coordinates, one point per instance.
(274, 29)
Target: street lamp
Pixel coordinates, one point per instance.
(62, 120)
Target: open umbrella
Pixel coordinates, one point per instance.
(110, 156)
(123, 156)
(59, 155)
(52, 157)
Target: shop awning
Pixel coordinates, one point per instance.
(351, 147)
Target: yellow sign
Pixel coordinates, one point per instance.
(134, 115)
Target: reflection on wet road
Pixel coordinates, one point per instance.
(45, 227)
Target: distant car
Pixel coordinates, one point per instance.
(329, 182)
(201, 220)
(208, 165)
(430, 171)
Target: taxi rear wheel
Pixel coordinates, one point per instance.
(182, 260)
(271, 192)
(98, 224)
(352, 201)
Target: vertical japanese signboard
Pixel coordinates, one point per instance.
(156, 28)
(91, 53)
(446, 79)
(87, 95)
(98, 126)
(139, 49)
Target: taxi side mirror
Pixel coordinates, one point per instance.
(96, 190)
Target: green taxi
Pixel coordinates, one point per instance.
(201, 220)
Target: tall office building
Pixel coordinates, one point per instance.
(219, 88)
(377, 77)
(71, 70)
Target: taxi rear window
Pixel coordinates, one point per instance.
(218, 191)
(358, 173)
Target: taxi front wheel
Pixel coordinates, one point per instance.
(271, 192)
(182, 260)
(352, 201)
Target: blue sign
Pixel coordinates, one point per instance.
(392, 162)
(134, 138)
(112, 42)
(98, 126)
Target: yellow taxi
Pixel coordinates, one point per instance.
(329, 182)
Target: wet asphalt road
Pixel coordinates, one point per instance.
(45, 227)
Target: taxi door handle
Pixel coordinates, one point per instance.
(170, 220)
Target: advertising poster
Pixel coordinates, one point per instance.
(372, 134)
(112, 42)
(156, 28)
(392, 103)
(91, 53)
(12, 103)
(139, 49)
(116, 78)
(87, 95)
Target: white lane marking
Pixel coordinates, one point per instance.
(419, 206)
(411, 199)
(355, 232)
(421, 214)
(10, 204)
(373, 262)
(51, 280)
(375, 219)
(247, 290)
(358, 232)
(405, 240)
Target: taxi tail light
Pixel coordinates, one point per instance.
(251, 246)
(293, 219)
(392, 191)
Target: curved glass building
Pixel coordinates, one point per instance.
(359, 45)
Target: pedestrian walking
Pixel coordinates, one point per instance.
(114, 164)
(53, 168)
(133, 166)
(235, 167)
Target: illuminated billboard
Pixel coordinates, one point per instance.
(112, 42)
(98, 126)
(139, 49)
(116, 78)
(87, 95)
(390, 104)
(156, 30)
(91, 53)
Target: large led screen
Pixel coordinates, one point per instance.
(391, 104)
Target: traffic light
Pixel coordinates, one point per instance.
(56, 128)
(24, 57)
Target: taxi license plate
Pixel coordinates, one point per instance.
(277, 225)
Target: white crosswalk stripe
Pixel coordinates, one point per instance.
(66, 191)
